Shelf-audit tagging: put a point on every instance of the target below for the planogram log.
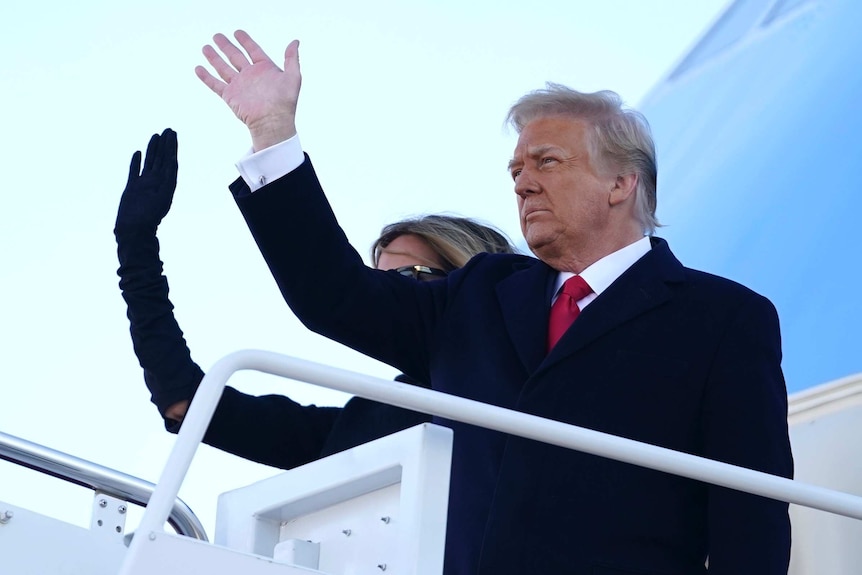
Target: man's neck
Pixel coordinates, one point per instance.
(602, 273)
(577, 260)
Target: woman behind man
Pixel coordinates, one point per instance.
(271, 429)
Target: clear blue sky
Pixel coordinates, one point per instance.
(402, 109)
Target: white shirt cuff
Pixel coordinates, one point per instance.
(269, 164)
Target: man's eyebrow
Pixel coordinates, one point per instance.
(535, 152)
(541, 150)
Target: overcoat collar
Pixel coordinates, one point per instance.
(525, 296)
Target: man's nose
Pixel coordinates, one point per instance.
(526, 184)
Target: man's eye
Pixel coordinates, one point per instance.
(548, 160)
(515, 174)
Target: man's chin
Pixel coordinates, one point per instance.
(539, 245)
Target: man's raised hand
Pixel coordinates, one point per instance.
(262, 95)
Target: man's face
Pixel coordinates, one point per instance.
(563, 196)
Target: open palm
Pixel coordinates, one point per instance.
(262, 95)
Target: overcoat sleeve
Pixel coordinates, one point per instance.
(327, 285)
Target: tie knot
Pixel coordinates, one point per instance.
(576, 288)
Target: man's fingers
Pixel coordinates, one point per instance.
(234, 54)
(211, 81)
(222, 68)
(254, 50)
(291, 57)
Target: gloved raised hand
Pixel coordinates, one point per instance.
(169, 372)
(149, 192)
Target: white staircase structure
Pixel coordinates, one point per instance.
(377, 507)
(36, 544)
(825, 431)
(381, 507)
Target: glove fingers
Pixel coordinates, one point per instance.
(152, 150)
(167, 134)
(167, 157)
(134, 168)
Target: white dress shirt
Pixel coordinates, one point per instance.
(260, 168)
(604, 272)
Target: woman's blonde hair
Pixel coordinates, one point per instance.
(454, 239)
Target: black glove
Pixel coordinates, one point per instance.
(169, 372)
(148, 194)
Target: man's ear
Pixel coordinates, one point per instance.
(624, 188)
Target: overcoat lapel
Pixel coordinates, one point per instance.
(642, 287)
(525, 304)
(524, 297)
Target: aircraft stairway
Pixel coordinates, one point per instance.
(381, 507)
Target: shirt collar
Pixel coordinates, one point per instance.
(605, 271)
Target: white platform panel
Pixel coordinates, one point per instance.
(169, 554)
(825, 427)
(34, 544)
(377, 507)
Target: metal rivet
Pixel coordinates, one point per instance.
(6, 516)
(121, 509)
(103, 502)
(119, 529)
(152, 536)
(347, 532)
(386, 519)
(381, 566)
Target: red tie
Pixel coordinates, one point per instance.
(565, 309)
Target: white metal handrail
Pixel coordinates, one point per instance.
(98, 478)
(471, 412)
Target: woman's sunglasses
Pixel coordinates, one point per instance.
(421, 273)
